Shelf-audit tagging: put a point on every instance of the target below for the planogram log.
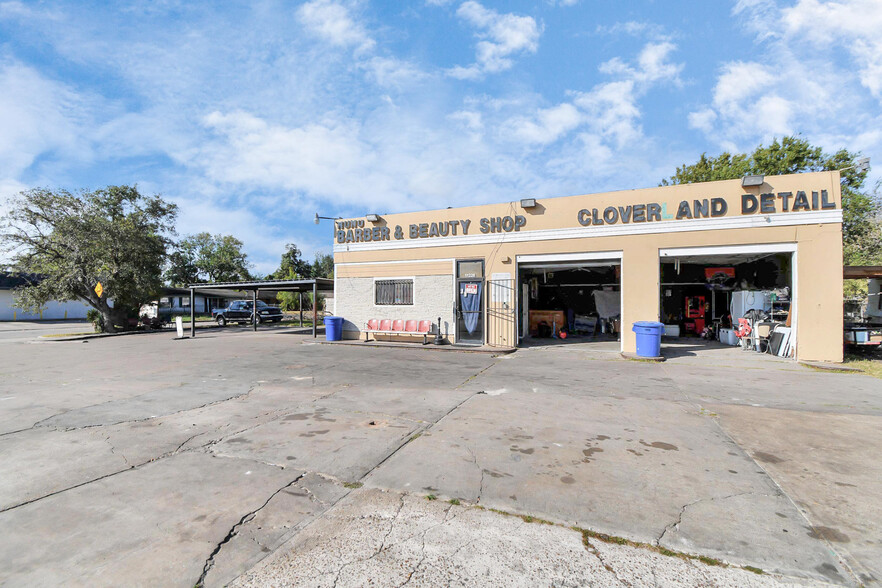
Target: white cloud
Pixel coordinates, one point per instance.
(501, 37)
(609, 110)
(853, 24)
(332, 21)
(633, 28)
(38, 117)
(800, 83)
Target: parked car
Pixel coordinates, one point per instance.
(240, 311)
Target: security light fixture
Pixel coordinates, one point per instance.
(374, 218)
(863, 164)
(528, 203)
(756, 180)
(319, 218)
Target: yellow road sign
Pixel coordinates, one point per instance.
(99, 289)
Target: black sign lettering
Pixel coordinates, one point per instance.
(639, 213)
(683, 211)
(801, 202)
(749, 204)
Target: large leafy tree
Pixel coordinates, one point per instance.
(861, 237)
(323, 266)
(73, 241)
(207, 258)
(293, 266)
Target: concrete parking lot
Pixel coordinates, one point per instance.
(143, 460)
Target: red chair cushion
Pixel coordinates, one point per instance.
(386, 325)
(398, 325)
(410, 326)
(425, 326)
(372, 324)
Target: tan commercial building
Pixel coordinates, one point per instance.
(694, 257)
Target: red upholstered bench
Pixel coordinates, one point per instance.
(398, 327)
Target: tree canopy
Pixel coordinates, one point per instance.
(73, 241)
(861, 240)
(294, 267)
(207, 258)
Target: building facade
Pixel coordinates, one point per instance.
(687, 255)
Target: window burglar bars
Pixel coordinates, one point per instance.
(394, 292)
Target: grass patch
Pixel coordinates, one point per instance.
(756, 571)
(352, 484)
(415, 437)
(867, 364)
(454, 501)
(710, 561)
(57, 335)
(431, 497)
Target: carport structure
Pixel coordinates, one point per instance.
(270, 287)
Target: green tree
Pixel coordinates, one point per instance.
(207, 258)
(323, 266)
(293, 266)
(73, 241)
(861, 240)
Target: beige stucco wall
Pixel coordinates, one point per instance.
(819, 247)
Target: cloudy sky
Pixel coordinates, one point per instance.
(253, 116)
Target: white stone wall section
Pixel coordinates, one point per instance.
(433, 296)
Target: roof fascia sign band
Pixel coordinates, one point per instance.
(355, 231)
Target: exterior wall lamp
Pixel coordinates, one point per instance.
(528, 203)
(319, 218)
(373, 218)
(753, 180)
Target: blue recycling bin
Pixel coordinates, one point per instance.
(649, 334)
(333, 328)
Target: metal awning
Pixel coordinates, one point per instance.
(271, 287)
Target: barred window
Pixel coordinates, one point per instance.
(394, 292)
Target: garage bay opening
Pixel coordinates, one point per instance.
(566, 299)
(738, 296)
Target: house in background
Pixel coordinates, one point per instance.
(176, 302)
(53, 310)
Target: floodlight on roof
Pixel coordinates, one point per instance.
(372, 218)
(528, 203)
(752, 180)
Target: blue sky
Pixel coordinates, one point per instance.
(253, 116)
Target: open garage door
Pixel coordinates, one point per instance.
(572, 298)
(715, 294)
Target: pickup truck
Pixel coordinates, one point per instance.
(239, 311)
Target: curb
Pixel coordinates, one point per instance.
(122, 334)
(831, 367)
(429, 347)
(635, 357)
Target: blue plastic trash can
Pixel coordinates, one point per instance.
(333, 328)
(649, 334)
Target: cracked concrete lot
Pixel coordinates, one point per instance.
(262, 459)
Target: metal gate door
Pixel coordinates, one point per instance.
(501, 312)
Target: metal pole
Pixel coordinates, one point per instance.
(301, 308)
(254, 309)
(314, 309)
(192, 313)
